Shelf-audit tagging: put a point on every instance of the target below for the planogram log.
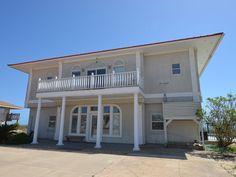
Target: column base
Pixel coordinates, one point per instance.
(59, 144)
(136, 149)
(98, 146)
(35, 142)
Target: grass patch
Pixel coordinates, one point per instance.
(214, 148)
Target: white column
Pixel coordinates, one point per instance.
(36, 125)
(63, 107)
(136, 136)
(58, 119)
(166, 123)
(194, 75)
(139, 68)
(165, 132)
(99, 123)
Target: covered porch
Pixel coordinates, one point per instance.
(93, 130)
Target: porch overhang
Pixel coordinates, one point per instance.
(89, 93)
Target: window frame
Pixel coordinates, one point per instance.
(73, 71)
(118, 65)
(110, 135)
(91, 69)
(78, 120)
(49, 78)
(172, 69)
(157, 113)
(55, 122)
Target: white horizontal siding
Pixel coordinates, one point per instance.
(179, 110)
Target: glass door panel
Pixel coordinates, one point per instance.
(93, 126)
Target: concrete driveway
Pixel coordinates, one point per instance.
(25, 162)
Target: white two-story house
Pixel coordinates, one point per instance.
(139, 94)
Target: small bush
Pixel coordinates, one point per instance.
(20, 138)
(6, 131)
(215, 148)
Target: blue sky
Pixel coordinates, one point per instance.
(32, 30)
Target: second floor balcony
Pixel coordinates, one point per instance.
(111, 80)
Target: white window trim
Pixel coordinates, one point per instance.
(155, 130)
(88, 117)
(78, 121)
(180, 67)
(115, 65)
(75, 69)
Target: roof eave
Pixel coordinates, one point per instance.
(212, 52)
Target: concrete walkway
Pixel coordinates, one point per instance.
(36, 162)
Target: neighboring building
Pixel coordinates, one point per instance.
(140, 94)
(5, 114)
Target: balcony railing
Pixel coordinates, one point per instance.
(113, 80)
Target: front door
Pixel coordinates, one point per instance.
(93, 127)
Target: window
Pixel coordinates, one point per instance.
(94, 108)
(52, 122)
(84, 109)
(75, 73)
(119, 67)
(106, 120)
(176, 69)
(78, 120)
(106, 124)
(116, 127)
(111, 120)
(49, 77)
(96, 71)
(83, 118)
(157, 121)
(74, 124)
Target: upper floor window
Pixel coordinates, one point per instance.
(49, 77)
(119, 66)
(75, 71)
(176, 69)
(157, 121)
(97, 71)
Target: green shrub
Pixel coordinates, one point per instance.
(6, 131)
(20, 138)
(215, 148)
